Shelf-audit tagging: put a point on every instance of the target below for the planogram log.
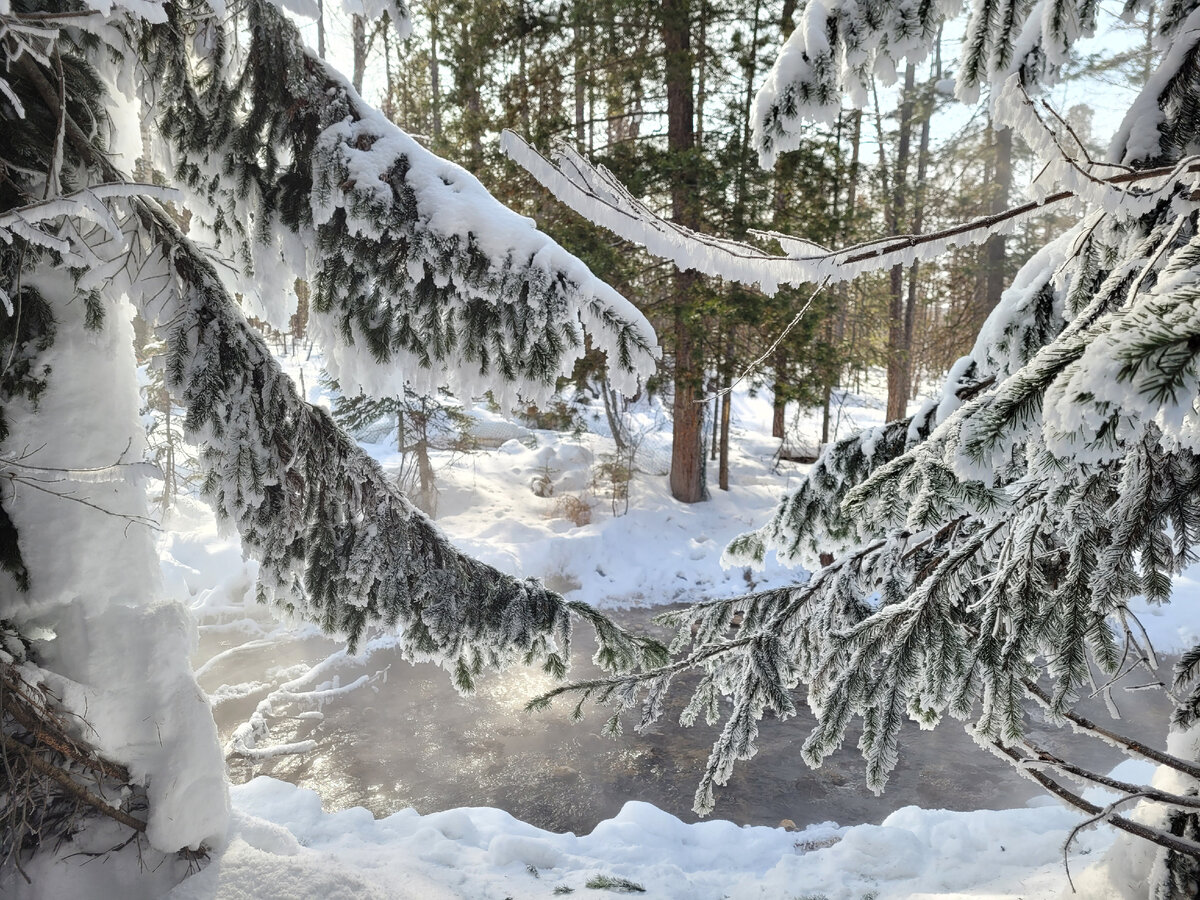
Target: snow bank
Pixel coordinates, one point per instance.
(282, 845)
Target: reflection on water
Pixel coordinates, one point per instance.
(412, 741)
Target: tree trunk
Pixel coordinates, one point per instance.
(435, 83)
(471, 63)
(428, 490)
(580, 80)
(170, 486)
(687, 452)
(995, 249)
(358, 39)
(714, 441)
(321, 28)
(910, 310)
(726, 403)
(523, 74)
(898, 352)
(701, 67)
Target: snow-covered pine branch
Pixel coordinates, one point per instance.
(418, 274)
(595, 193)
(417, 269)
(994, 542)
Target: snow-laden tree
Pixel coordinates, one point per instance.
(988, 547)
(418, 277)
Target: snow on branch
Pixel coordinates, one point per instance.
(32, 221)
(595, 193)
(337, 542)
(419, 275)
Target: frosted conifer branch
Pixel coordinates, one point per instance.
(419, 276)
(337, 542)
(595, 193)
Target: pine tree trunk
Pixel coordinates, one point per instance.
(713, 441)
(358, 39)
(826, 414)
(726, 404)
(428, 495)
(580, 79)
(898, 352)
(779, 401)
(435, 81)
(523, 74)
(995, 249)
(787, 26)
(170, 488)
(701, 66)
(687, 452)
(471, 64)
(321, 28)
(918, 223)
(687, 436)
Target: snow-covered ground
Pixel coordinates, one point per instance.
(283, 844)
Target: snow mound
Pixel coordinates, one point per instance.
(282, 845)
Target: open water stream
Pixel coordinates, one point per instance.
(413, 741)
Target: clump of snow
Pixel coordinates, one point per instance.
(112, 649)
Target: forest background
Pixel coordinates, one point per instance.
(662, 96)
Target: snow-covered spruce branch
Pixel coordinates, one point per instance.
(810, 521)
(418, 274)
(951, 598)
(48, 774)
(336, 541)
(595, 193)
(1071, 798)
(1084, 725)
(1040, 758)
(90, 203)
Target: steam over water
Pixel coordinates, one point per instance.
(413, 741)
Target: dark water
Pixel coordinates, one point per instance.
(414, 741)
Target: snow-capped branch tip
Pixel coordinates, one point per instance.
(595, 193)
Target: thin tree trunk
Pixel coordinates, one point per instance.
(713, 440)
(435, 88)
(523, 74)
(701, 67)
(321, 28)
(726, 404)
(610, 413)
(471, 63)
(996, 246)
(425, 472)
(358, 40)
(170, 487)
(786, 24)
(910, 310)
(580, 80)
(389, 103)
(898, 353)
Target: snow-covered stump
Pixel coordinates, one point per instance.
(103, 640)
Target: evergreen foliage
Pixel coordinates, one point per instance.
(417, 274)
(987, 548)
